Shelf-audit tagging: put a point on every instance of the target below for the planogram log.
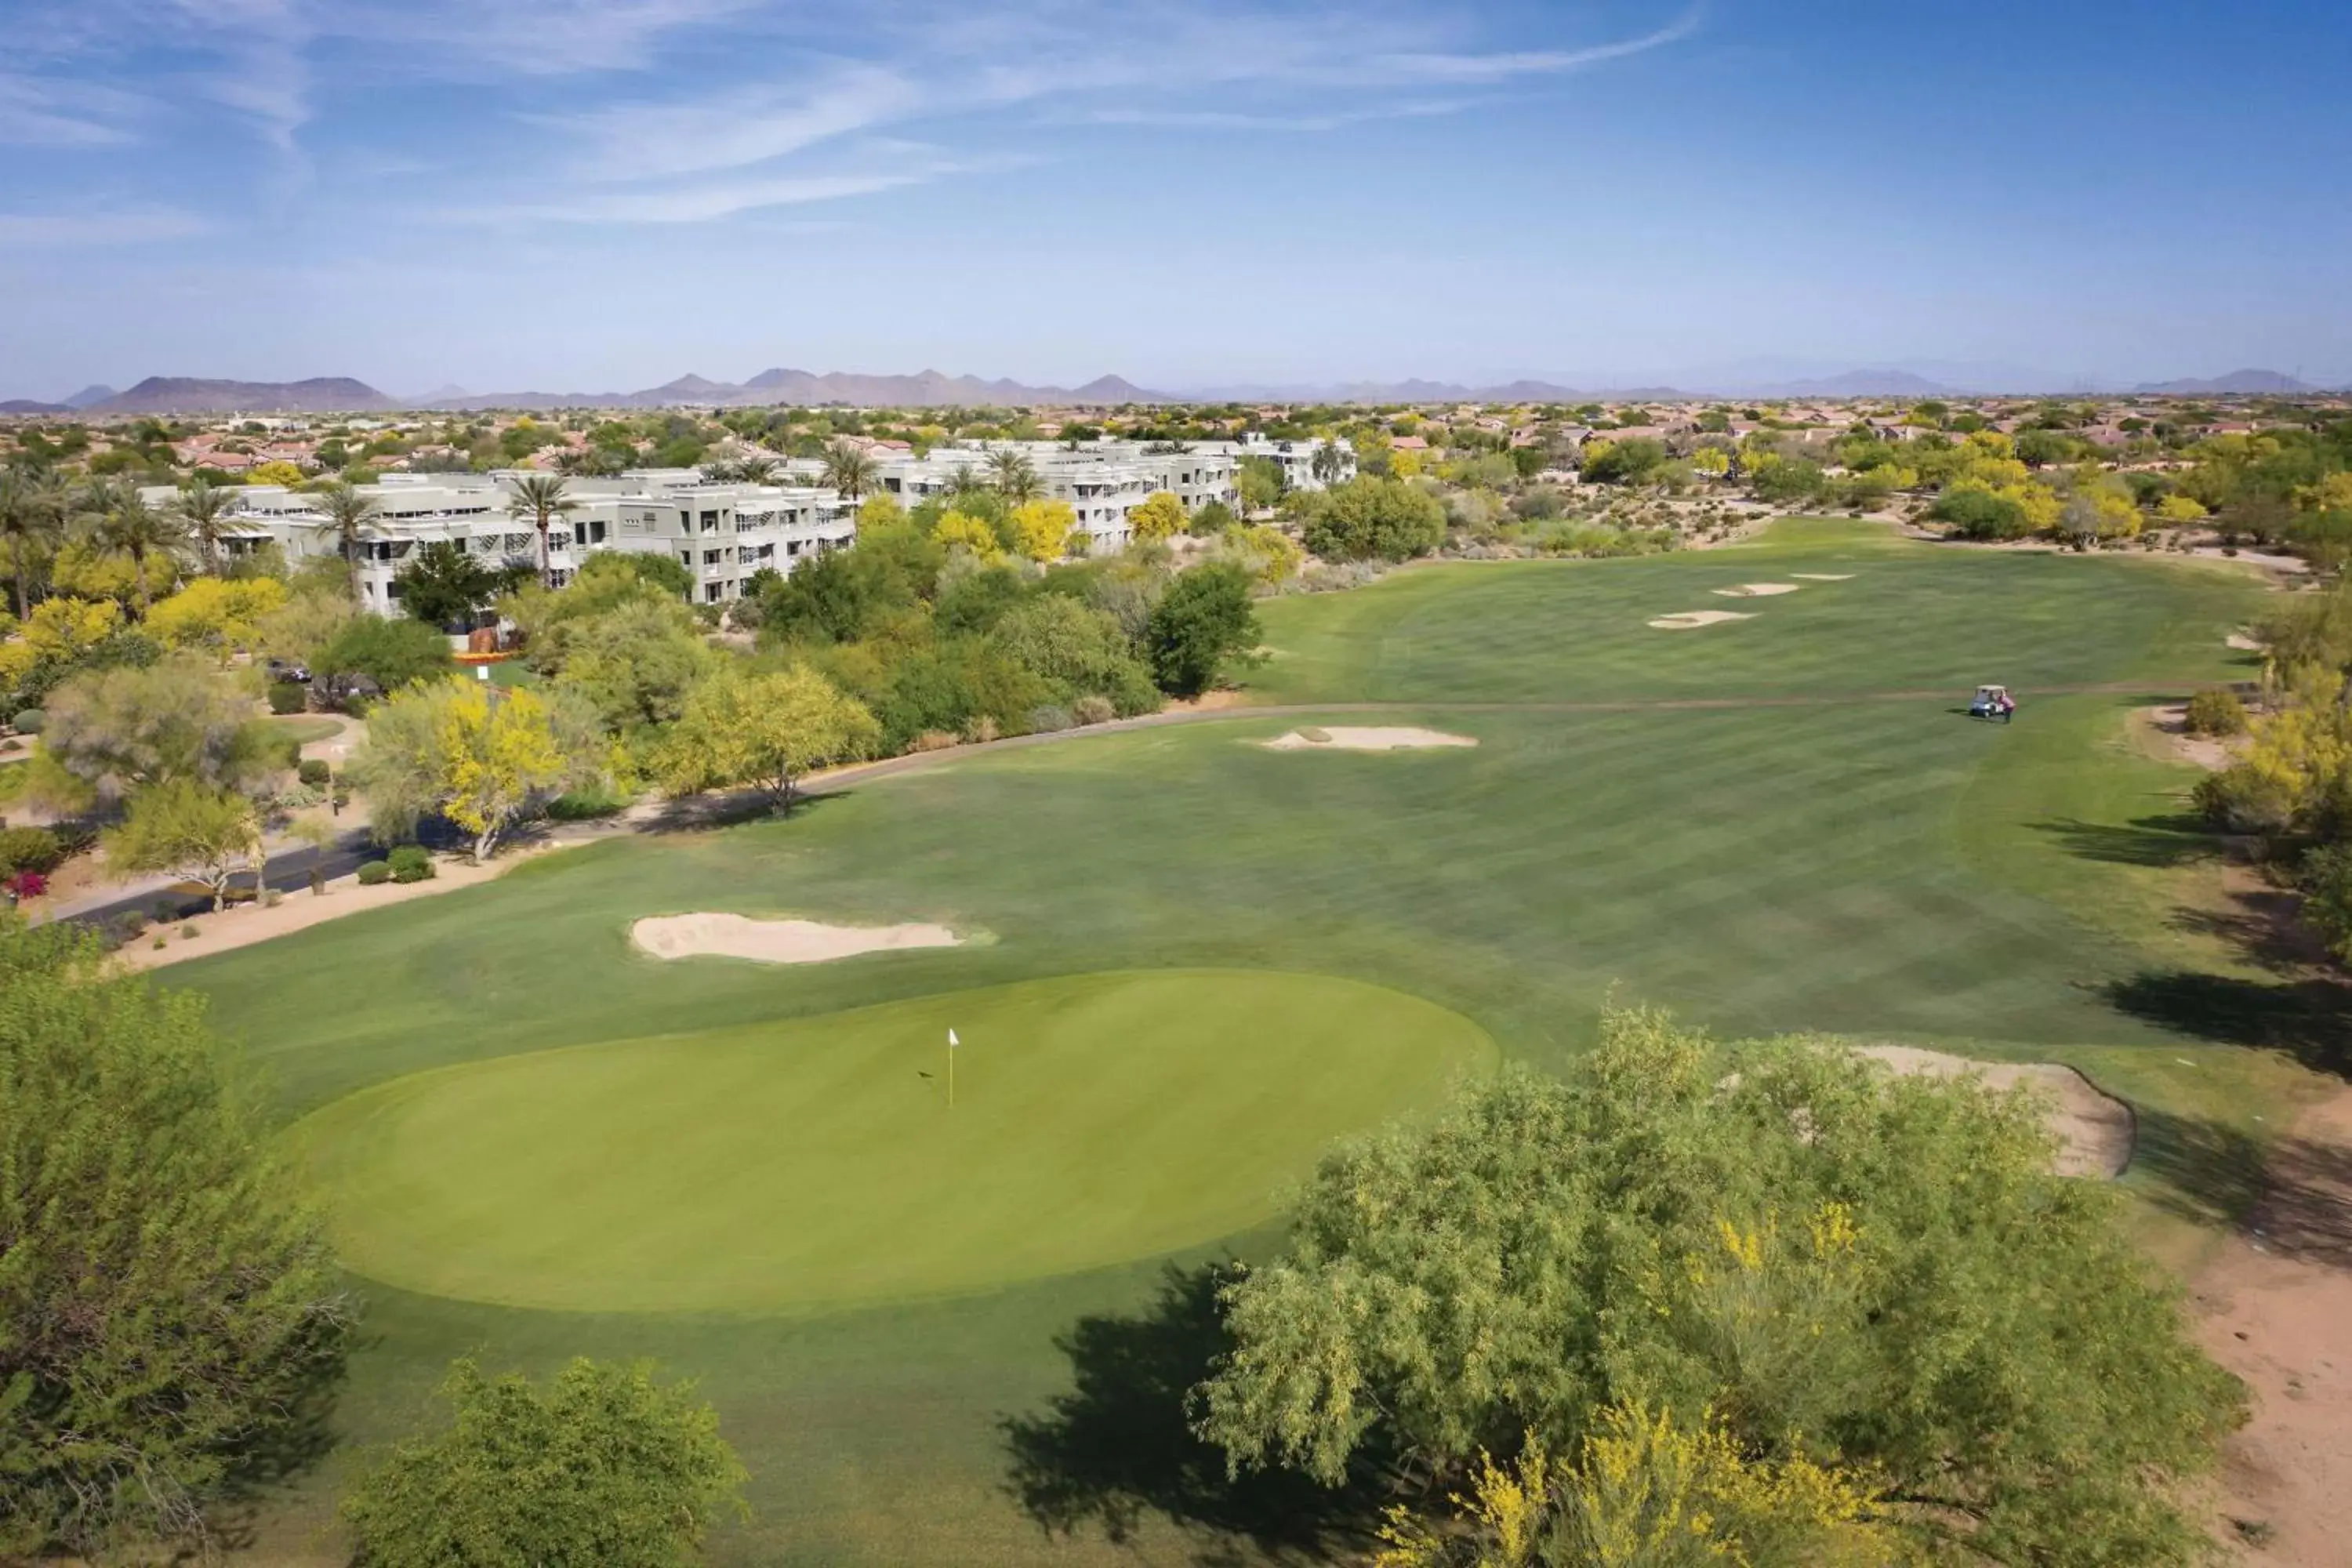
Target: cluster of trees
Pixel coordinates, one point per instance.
(2292, 786)
(174, 1327)
(1764, 1306)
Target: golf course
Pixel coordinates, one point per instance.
(956, 1334)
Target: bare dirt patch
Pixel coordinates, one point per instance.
(1365, 739)
(2094, 1130)
(1691, 620)
(1757, 590)
(2241, 642)
(2166, 728)
(2273, 1306)
(777, 941)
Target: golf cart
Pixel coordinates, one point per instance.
(1992, 702)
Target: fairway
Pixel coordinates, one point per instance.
(817, 1162)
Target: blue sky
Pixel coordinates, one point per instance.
(604, 193)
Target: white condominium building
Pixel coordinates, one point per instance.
(721, 533)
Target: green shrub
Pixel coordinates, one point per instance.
(375, 873)
(188, 932)
(29, 849)
(586, 804)
(410, 863)
(28, 722)
(2216, 710)
(2326, 878)
(313, 771)
(1048, 719)
(289, 697)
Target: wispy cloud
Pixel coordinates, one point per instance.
(125, 226)
(734, 129)
(64, 114)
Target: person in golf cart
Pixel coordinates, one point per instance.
(1993, 702)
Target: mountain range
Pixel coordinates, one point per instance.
(931, 388)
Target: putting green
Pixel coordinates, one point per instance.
(1098, 1119)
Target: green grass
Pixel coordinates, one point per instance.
(1884, 869)
(1913, 617)
(303, 730)
(1099, 1119)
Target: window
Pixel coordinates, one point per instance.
(710, 523)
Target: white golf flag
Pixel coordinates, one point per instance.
(953, 1041)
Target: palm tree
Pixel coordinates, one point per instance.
(32, 519)
(349, 513)
(756, 469)
(540, 499)
(120, 520)
(1013, 476)
(849, 469)
(203, 509)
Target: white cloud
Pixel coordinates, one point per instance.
(734, 129)
(64, 114)
(138, 226)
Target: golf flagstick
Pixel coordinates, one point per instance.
(951, 1045)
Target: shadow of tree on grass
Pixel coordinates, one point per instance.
(2173, 839)
(2291, 1195)
(2309, 1020)
(1118, 1447)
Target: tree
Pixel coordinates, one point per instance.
(1161, 516)
(123, 730)
(202, 511)
(634, 662)
(1041, 528)
(763, 730)
(540, 499)
(1204, 619)
(2179, 508)
(1080, 650)
(1903, 1290)
(483, 756)
(849, 469)
(1374, 518)
(1014, 477)
(216, 612)
(1329, 463)
(275, 472)
(974, 533)
(603, 1467)
(120, 523)
(189, 830)
(1623, 462)
(171, 1322)
(1261, 483)
(443, 584)
(349, 511)
(33, 507)
(372, 651)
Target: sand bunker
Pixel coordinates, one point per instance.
(1824, 576)
(1365, 740)
(2094, 1130)
(777, 941)
(1690, 620)
(2242, 643)
(1757, 590)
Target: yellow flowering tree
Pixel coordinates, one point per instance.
(2180, 508)
(482, 756)
(761, 729)
(277, 471)
(1162, 517)
(1042, 529)
(974, 533)
(216, 612)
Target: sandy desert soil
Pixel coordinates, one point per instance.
(777, 941)
(2095, 1129)
(2167, 729)
(2275, 1307)
(1375, 738)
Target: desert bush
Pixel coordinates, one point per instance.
(189, 932)
(313, 771)
(1093, 710)
(935, 741)
(28, 720)
(2216, 710)
(289, 697)
(375, 873)
(1049, 718)
(587, 804)
(29, 849)
(410, 863)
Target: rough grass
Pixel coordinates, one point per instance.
(1885, 869)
